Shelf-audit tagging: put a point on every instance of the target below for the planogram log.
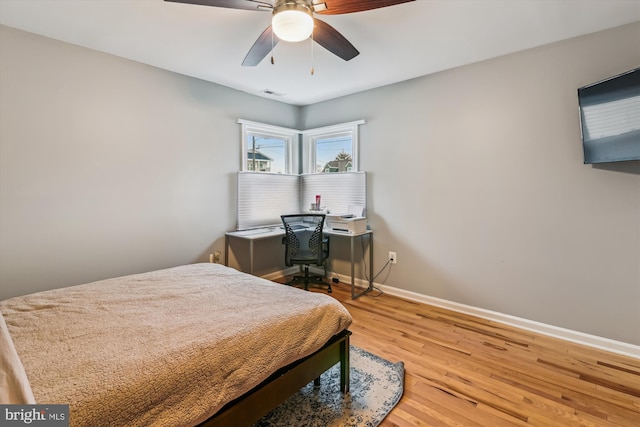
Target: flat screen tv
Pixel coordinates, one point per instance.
(610, 118)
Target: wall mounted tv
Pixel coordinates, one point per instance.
(610, 118)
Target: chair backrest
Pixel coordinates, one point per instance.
(303, 239)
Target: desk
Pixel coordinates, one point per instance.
(273, 232)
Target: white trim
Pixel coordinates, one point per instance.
(333, 128)
(281, 273)
(577, 337)
(266, 126)
(324, 129)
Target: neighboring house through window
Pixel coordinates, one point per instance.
(258, 162)
(341, 165)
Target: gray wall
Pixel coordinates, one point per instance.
(110, 167)
(477, 182)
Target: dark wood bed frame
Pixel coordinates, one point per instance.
(284, 383)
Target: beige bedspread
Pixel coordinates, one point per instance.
(169, 347)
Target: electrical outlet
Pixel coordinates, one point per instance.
(392, 257)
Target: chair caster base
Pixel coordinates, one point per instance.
(316, 281)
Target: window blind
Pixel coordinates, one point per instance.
(337, 190)
(263, 197)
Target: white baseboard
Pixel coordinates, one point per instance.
(281, 273)
(582, 338)
(518, 322)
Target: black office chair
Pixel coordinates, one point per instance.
(305, 244)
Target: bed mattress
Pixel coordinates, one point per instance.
(164, 348)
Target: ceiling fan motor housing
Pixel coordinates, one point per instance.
(292, 20)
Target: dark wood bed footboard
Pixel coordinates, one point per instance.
(284, 383)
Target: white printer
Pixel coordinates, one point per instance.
(351, 222)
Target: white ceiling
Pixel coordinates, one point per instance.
(395, 43)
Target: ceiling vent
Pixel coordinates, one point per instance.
(272, 93)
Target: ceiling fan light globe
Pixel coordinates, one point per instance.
(292, 25)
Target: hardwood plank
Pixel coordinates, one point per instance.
(461, 370)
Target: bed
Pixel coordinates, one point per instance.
(194, 344)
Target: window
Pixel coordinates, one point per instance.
(331, 149)
(267, 148)
(273, 149)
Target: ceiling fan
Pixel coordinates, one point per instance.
(293, 21)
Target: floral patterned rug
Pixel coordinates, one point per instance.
(376, 387)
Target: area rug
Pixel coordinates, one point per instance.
(376, 387)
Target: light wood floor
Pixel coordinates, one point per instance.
(466, 371)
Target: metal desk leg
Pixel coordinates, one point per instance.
(370, 288)
(370, 261)
(226, 250)
(353, 284)
(251, 256)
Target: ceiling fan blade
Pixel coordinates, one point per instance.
(337, 7)
(260, 48)
(329, 38)
(231, 4)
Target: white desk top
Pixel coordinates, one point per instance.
(266, 232)
(257, 233)
(344, 233)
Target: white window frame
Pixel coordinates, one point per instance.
(343, 129)
(290, 136)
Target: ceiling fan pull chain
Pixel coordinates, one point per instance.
(273, 61)
(313, 71)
